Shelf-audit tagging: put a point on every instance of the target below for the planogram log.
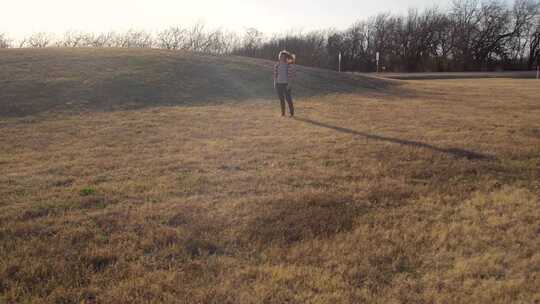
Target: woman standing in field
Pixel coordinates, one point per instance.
(284, 74)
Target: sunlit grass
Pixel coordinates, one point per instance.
(426, 197)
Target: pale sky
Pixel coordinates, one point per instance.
(22, 17)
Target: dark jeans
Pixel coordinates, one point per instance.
(285, 94)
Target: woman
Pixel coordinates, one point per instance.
(284, 74)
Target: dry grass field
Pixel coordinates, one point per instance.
(155, 177)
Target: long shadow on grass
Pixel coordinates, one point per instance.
(460, 153)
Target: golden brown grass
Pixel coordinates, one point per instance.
(429, 196)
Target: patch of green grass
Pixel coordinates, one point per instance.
(329, 163)
(87, 191)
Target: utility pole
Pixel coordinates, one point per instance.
(339, 56)
(538, 64)
(377, 58)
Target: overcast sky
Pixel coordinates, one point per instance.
(21, 17)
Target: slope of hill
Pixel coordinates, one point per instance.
(370, 195)
(104, 79)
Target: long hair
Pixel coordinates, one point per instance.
(291, 58)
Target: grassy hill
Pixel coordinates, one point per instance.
(107, 79)
(136, 176)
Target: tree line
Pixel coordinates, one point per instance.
(196, 39)
(470, 35)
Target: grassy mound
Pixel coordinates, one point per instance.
(110, 79)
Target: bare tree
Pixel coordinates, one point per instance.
(497, 25)
(442, 42)
(73, 39)
(230, 42)
(196, 38)
(519, 47)
(133, 39)
(251, 41)
(534, 46)
(5, 42)
(464, 18)
(99, 40)
(172, 38)
(214, 41)
(38, 40)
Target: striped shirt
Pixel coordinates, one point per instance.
(284, 72)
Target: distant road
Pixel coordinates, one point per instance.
(459, 75)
